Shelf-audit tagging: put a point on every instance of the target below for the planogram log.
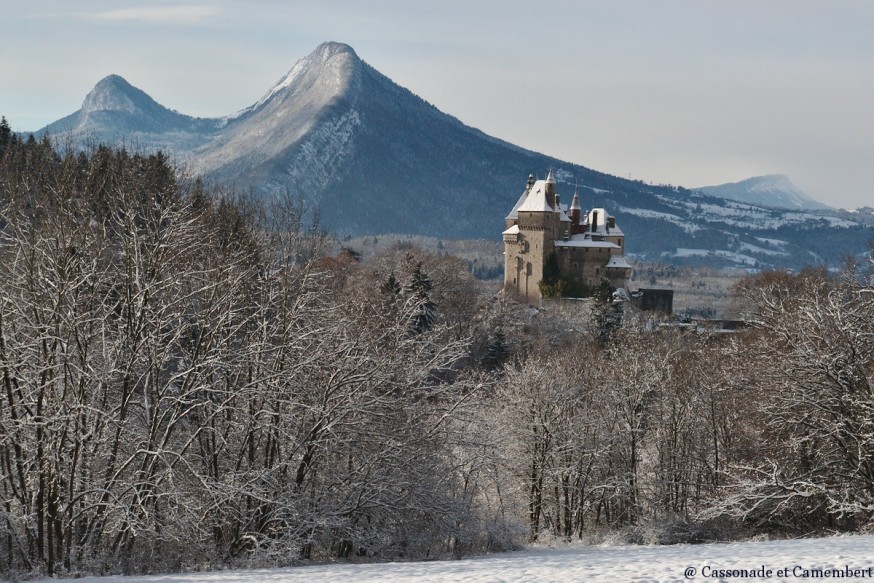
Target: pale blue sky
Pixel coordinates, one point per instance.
(689, 92)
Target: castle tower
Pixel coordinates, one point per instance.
(575, 213)
(529, 240)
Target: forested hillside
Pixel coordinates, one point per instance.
(190, 379)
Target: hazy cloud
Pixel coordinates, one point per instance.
(189, 14)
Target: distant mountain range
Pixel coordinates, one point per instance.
(375, 158)
(773, 190)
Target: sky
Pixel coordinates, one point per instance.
(683, 92)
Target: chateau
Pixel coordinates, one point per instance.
(589, 248)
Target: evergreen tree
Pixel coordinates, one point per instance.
(496, 351)
(552, 285)
(608, 320)
(424, 311)
(391, 286)
(5, 134)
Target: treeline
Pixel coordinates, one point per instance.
(182, 385)
(189, 379)
(671, 434)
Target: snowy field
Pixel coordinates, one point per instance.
(849, 558)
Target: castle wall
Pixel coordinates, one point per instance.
(524, 259)
(583, 264)
(618, 277)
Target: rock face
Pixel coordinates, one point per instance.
(375, 158)
(773, 190)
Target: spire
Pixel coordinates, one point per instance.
(575, 203)
(575, 213)
(550, 189)
(550, 178)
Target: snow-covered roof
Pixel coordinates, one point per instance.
(550, 177)
(619, 262)
(583, 240)
(536, 199)
(514, 230)
(597, 220)
(575, 203)
(587, 243)
(514, 214)
(601, 218)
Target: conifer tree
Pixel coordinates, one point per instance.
(391, 286)
(5, 134)
(424, 310)
(552, 285)
(496, 350)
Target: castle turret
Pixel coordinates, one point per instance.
(575, 213)
(550, 188)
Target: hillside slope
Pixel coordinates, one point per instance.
(375, 158)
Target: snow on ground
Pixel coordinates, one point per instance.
(651, 214)
(684, 252)
(776, 242)
(738, 258)
(761, 250)
(738, 214)
(846, 558)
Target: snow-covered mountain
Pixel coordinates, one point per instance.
(375, 158)
(115, 112)
(773, 190)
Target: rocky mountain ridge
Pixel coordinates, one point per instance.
(375, 158)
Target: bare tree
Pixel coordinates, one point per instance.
(812, 363)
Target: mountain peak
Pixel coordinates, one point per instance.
(113, 81)
(114, 93)
(330, 49)
(330, 64)
(772, 190)
(780, 179)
